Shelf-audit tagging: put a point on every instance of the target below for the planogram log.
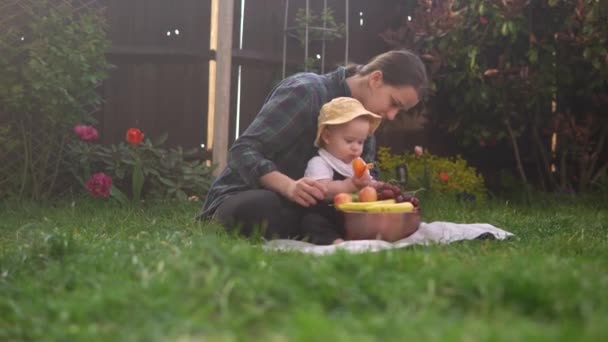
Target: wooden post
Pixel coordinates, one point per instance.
(211, 83)
(347, 28)
(221, 117)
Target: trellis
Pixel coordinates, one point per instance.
(15, 13)
(323, 29)
(15, 17)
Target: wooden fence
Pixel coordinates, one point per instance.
(160, 52)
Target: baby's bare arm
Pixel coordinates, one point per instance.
(335, 187)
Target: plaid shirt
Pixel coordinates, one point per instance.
(281, 136)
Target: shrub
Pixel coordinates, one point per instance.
(165, 173)
(518, 72)
(451, 176)
(49, 71)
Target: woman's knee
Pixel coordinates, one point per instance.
(261, 211)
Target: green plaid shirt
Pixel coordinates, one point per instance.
(281, 136)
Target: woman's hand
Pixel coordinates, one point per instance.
(306, 192)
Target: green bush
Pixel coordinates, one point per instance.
(49, 71)
(167, 173)
(452, 176)
(516, 72)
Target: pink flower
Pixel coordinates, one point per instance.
(99, 185)
(418, 151)
(86, 133)
(483, 20)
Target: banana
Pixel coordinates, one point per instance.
(388, 201)
(362, 206)
(403, 207)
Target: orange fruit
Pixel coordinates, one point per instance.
(360, 166)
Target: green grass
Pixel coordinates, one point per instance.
(91, 270)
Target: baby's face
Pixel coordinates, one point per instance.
(345, 141)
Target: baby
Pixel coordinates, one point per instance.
(343, 126)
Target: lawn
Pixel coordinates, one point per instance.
(92, 270)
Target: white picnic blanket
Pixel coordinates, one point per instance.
(437, 232)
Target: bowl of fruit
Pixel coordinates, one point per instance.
(382, 211)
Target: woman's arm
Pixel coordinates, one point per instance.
(278, 124)
(305, 191)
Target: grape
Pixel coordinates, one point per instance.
(415, 202)
(381, 186)
(387, 194)
(396, 189)
(399, 199)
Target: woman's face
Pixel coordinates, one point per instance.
(386, 100)
(345, 141)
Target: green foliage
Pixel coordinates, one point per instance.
(49, 71)
(316, 33)
(162, 173)
(333, 30)
(516, 71)
(452, 176)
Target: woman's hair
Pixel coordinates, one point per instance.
(399, 68)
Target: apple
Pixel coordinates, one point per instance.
(342, 198)
(368, 194)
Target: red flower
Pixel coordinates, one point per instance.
(86, 133)
(444, 176)
(483, 20)
(134, 136)
(99, 185)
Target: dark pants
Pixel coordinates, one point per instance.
(274, 217)
(260, 211)
(322, 225)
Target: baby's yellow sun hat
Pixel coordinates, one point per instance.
(342, 110)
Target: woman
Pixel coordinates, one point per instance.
(262, 187)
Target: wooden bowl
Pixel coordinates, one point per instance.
(383, 226)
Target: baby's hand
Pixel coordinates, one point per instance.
(363, 181)
(377, 184)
